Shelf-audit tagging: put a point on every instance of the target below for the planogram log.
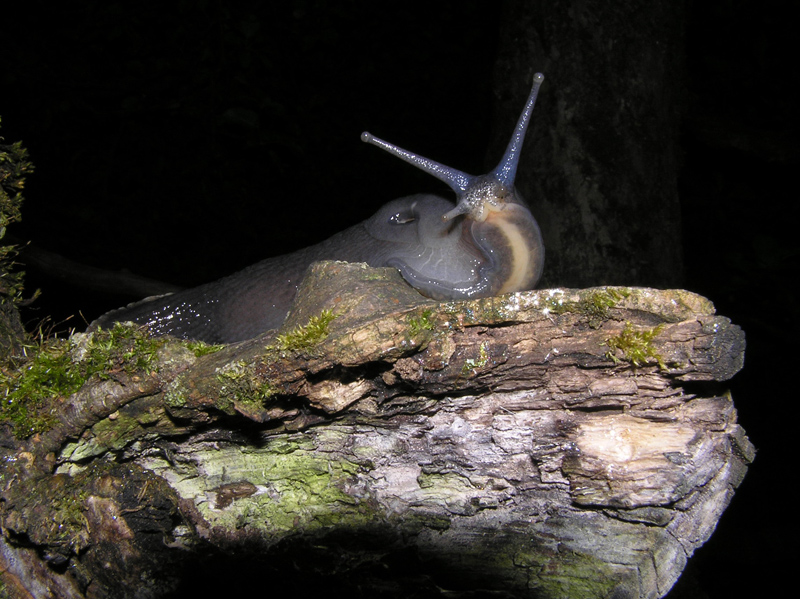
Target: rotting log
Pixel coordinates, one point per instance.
(550, 443)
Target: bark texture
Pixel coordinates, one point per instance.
(549, 443)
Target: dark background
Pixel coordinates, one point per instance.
(185, 140)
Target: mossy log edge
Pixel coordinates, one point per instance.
(541, 444)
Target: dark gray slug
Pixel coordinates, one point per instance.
(487, 244)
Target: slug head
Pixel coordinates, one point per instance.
(495, 247)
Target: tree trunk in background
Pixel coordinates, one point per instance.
(600, 168)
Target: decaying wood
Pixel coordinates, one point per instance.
(543, 444)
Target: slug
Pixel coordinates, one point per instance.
(487, 244)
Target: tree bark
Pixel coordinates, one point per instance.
(548, 443)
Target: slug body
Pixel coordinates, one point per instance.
(487, 244)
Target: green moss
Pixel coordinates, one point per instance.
(240, 385)
(635, 345)
(127, 348)
(597, 303)
(53, 368)
(14, 167)
(58, 368)
(594, 305)
(53, 510)
(473, 364)
(479, 311)
(423, 322)
(308, 336)
(28, 388)
(175, 394)
(69, 519)
(202, 349)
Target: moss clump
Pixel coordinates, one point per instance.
(422, 323)
(594, 305)
(308, 336)
(58, 368)
(202, 349)
(239, 385)
(597, 304)
(27, 387)
(123, 348)
(635, 345)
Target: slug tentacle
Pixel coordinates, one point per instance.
(456, 179)
(473, 191)
(506, 171)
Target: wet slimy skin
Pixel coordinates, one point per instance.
(487, 244)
